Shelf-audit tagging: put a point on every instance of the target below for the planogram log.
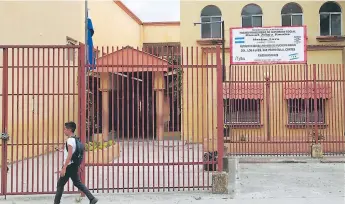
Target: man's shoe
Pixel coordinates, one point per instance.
(94, 201)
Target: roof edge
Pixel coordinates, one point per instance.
(137, 50)
(162, 23)
(129, 12)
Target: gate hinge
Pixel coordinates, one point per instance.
(4, 136)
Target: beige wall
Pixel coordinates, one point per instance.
(231, 14)
(41, 22)
(113, 27)
(49, 22)
(161, 33)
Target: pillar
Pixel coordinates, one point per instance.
(105, 88)
(159, 114)
(159, 86)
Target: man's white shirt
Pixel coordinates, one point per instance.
(70, 141)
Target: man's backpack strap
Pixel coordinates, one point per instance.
(75, 142)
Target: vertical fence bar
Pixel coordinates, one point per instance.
(342, 112)
(143, 122)
(331, 143)
(207, 165)
(188, 124)
(203, 116)
(4, 121)
(183, 121)
(333, 108)
(268, 97)
(49, 141)
(146, 88)
(12, 145)
(113, 132)
(43, 115)
(33, 121)
(28, 118)
(132, 74)
(38, 119)
(172, 104)
(342, 67)
(198, 117)
(138, 111)
(220, 110)
(82, 103)
(22, 132)
(315, 105)
(53, 116)
(193, 113)
(179, 82)
(212, 149)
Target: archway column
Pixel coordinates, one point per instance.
(159, 87)
(105, 88)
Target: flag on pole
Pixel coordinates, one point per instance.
(91, 54)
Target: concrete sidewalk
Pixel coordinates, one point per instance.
(298, 183)
(177, 198)
(292, 159)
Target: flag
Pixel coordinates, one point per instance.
(91, 59)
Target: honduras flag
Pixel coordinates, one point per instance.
(91, 54)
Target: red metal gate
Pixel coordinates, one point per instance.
(147, 129)
(39, 93)
(147, 116)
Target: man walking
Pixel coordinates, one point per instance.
(70, 169)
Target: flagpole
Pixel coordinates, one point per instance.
(86, 63)
(86, 31)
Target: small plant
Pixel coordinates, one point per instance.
(91, 146)
(91, 117)
(178, 77)
(243, 138)
(319, 136)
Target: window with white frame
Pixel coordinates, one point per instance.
(292, 15)
(251, 16)
(211, 18)
(330, 19)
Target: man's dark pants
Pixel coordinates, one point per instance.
(71, 172)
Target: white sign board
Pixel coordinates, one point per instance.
(268, 45)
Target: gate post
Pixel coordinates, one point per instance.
(220, 110)
(82, 103)
(316, 148)
(4, 122)
(315, 111)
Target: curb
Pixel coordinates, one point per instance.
(290, 161)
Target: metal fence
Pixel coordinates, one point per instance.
(285, 109)
(135, 111)
(40, 93)
(158, 118)
(144, 104)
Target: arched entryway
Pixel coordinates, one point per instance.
(130, 85)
